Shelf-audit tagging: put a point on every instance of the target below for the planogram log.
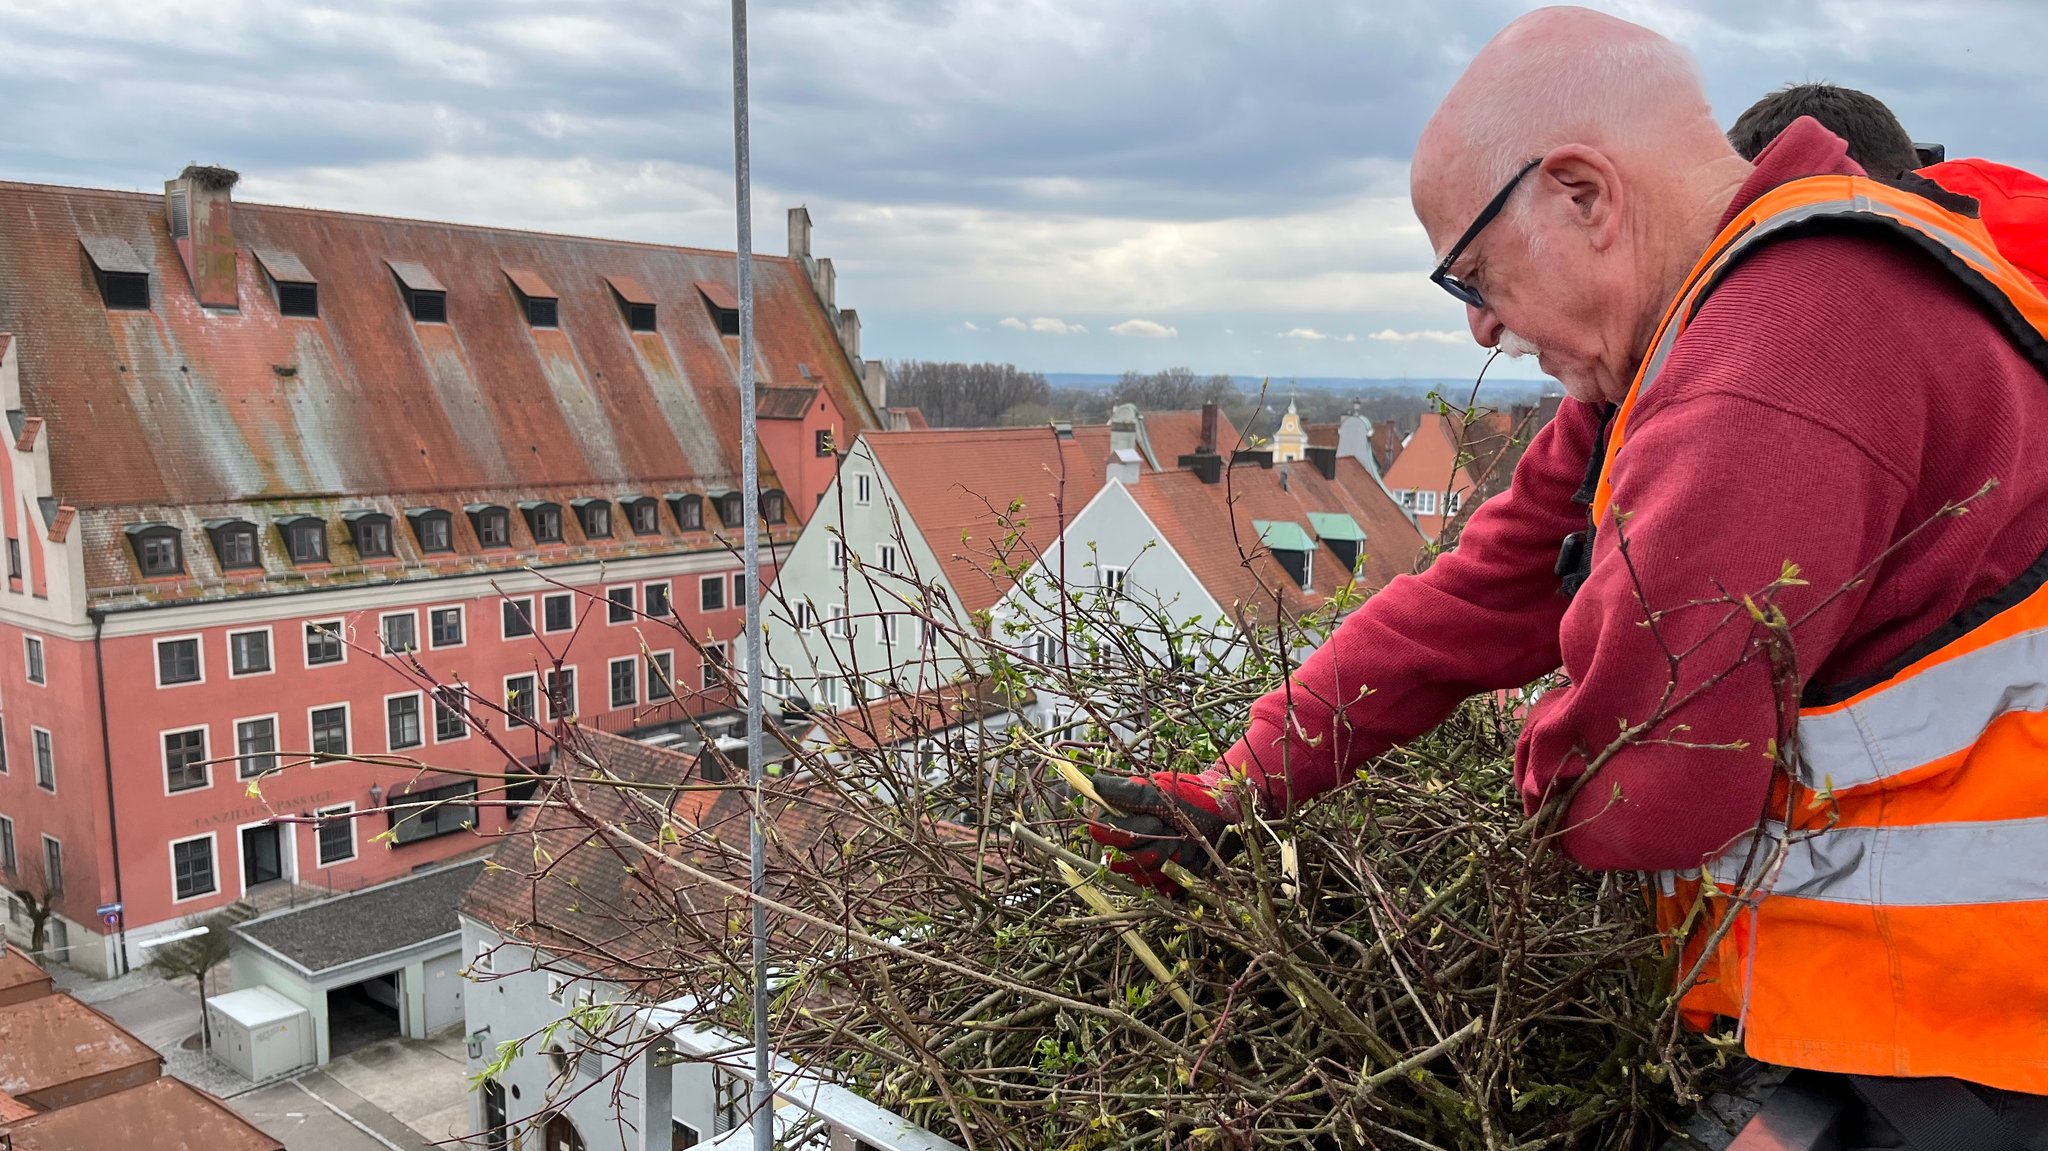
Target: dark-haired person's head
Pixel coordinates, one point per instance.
(1877, 140)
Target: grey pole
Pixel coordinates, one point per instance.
(750, 487)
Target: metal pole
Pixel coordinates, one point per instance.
(750, 487)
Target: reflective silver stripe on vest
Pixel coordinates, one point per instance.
(1928, 865)
(1939, 712)
(1853, 206)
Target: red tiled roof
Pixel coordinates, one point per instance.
(20, 977)
(162, 1115)
(150, 413)
(55, 1040)
(1176, 434)
(1210, 527)
(12, 1109)
(958, 484)
(911, 419)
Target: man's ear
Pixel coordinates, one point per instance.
(1591, 185)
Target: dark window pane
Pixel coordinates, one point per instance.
(373, 536)
(519, 699)
(640, 317)
(494, 529)
(248, 652)
(625, 683)
(330, 731)
(445, 626)
(177, 661)
(401, 633)
(451, 715)
(160, 555)
(192, 868)
(430, 307)
(657, 600)
(298, 299)
(307, 541)
(185, 760)
(323, 643)
(238, 548)
(256, 745)
(597, 521)
(433, 532)
(711, 593)
(337, 836)
(547, 525)
(34, 649)
(739, 590)
(661, 677)
(561, 687)
(517, 617)
(772, 510)
(620, 609)
(438, 811)
(558, 611)
(402, 722)
(646, 518)
(541, 313)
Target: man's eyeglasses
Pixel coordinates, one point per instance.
(1442, 276)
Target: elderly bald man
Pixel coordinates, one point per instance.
(1819, 400)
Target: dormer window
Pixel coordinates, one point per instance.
(234, 544)
(1341, 534)
(595, 517)
(644, 514)
(688, 510)
(493, 525)
(543, 519)
(773, 509)
(424, 296)
(158, 550)
(305, 539)
(122, 277)
(370, 532)
(634, 302)
(296, 292)
(536, 298)
(432, 528)
(729, 507)
(1291, 545)
(722, 304)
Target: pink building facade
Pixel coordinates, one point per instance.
(305, 555)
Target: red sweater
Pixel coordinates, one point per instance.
(1833, 393)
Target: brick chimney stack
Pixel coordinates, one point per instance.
(199, 208)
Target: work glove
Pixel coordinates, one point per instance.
(1166, 816)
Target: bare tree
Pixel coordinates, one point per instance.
(1175, 389)
(27, 882)
(954, 395)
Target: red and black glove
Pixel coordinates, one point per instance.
(1165, 816)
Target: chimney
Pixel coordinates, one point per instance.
(1208, 444)
(1324, 460)
(800, 233)
(826, 281)
(1125, 466)
(199, 211)
(874, 380)
(849, 333)
(1123, 428)
(1062, 430)
(1205, 463)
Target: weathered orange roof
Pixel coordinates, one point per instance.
(20, 977)
(55, 1039)
(1210, 527)
(161, 1115)
(258, 415)
(1176, 434)
(12, 1109)
(957, 485)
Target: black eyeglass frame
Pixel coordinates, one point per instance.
(1442, 277)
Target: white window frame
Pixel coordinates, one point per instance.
(348, 728)
(354, 848)
(212, 839)
(157, 658)
(340, 638)
(542, 623)
(558, 988)
(276, 740)
(383, 640)
(634, 662)
(668, 590)
(269, 648)
(632, 607)
(838, 625)
(547, 692)
(885, 557)
(481, 964)
(34, 643)
(1425, 502)
(839, 550)
(461, 612)
(35, 749)
(712, 581)
(205, 757)
(423, 717)
(863, 489)
(513, 720)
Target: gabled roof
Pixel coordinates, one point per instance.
(179, 407)
(957, 484)
(161, 1115)
(1176, 434)
(339, 931)
(20, 977)
(54, 1040)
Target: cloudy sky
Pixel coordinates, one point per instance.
(1071, 185)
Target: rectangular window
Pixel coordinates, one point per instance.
(711, 593)
(444, 627)
(547, 525)
(435, 532)
(32, 651)
(886, 557)
(323, 643)
(558, 611)
(451, 715)
(561, 685)
(53, 866)
(619, 607)
(822, 441)
(716, 666)
(402, 722)
(177, 661)
(46, 759)
(249, 652)
(306, 540)
(337, 835)
(1425, 503)
(838, 554)
(482, 965)
(1452, 501)
(516, 616)
(597, 521)
(1112, 580)
(625, 681)
(494, 529)
(401, 632)
(13, 558)
(646, 518)
(519, 701)
(863, 489)
(837, 624)
(298, 300)
(435, 812)
(7, 861)
(192, 872)
(330, 729)
(739, 589)
(185, 760)
(656, 598)
(661, 676)
(160, 556)
(255, 746)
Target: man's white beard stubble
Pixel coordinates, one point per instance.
(1515, 347)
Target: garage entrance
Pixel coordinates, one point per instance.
(359, 1014)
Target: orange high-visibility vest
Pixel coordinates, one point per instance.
(1896, 915)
